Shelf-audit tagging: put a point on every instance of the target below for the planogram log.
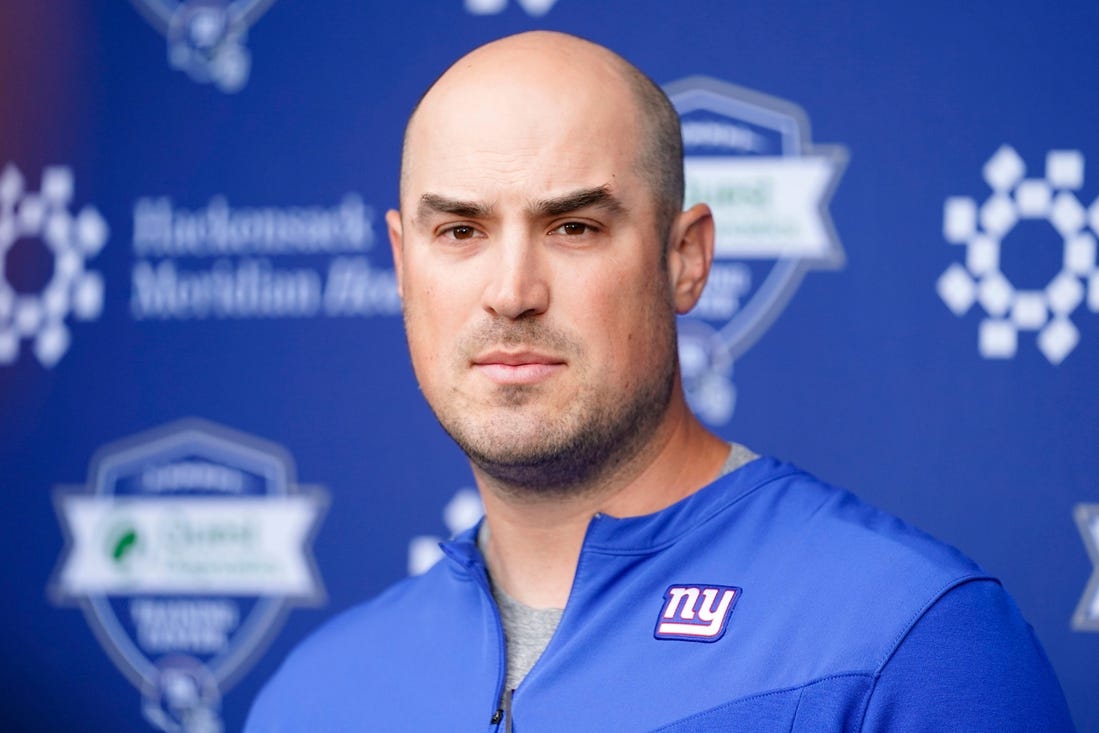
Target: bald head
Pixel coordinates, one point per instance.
(531, 68)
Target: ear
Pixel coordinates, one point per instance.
(690, 254)
(396, 243)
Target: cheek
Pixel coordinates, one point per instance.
(623, 322)
(428, 302)
(436, 313)
(421, 316)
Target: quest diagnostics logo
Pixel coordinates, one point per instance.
(1027, 214)
(206, 37)
(751, 158)
(44, 248)
(185, 549)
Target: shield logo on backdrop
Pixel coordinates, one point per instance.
(206, 37)
(185, 549)
(751, 158)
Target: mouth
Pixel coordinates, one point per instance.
(517, 367)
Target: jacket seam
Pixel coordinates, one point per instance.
(768, 693)
(714, 513)
(907, 629)
(919, 613)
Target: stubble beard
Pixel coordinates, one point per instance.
(572, 452)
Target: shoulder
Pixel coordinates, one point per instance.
(840, 580)
(337, 670)
(970, 662)
(795, 517)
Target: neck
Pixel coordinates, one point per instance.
(534, 542)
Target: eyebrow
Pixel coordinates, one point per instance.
(599, 196)
(432, 203)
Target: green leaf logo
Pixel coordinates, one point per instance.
(123, 545)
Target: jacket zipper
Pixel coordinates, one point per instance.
(503, 708)
(502, 714)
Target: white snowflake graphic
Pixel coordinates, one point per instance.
(44, 217)
(982, 228)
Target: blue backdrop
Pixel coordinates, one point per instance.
(211, 439)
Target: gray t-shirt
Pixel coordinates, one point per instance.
(527, 630)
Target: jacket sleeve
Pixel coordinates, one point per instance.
(969, 663)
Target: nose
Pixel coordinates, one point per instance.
(518, 285)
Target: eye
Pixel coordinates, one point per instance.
(459, 232)
(575, 229)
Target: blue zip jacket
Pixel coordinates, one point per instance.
(767, 601)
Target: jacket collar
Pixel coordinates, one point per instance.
(649, 532)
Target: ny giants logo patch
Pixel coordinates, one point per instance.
(696, 612)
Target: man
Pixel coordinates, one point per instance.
(633, 572)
